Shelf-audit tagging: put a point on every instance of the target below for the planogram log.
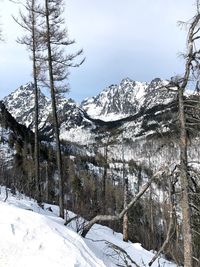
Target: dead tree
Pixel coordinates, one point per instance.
(125, 182)
(1, 37)
(191, 65)
(187, 122)
(29, 21)
(55, 69)
(119, 253)
(104, 178)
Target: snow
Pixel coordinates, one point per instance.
(110, 103)
(77, 135)
(31, 239)
(22, 101)
(6, 153)
(32, 236)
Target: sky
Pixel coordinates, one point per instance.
(138, 39)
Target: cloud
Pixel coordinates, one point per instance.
(137, 38)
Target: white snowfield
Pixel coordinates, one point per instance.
(35, 237)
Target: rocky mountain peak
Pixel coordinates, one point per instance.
(126, 81)
(21, 104)
(123, 100)
(77, 123)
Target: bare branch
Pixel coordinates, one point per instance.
(100, 218)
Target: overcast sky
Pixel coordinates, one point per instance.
(138, 39)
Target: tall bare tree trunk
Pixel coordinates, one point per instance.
(47, 182)
(104, 179)
(125, 181)
(36, 154)
(190, 57)
(54, 113)
(184, 184)
(125, 217)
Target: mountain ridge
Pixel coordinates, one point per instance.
(80, 123)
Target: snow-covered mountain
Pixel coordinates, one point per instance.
(20, 104)
(147, 121)
(116, 101)
(147, 129)
(81, 124)
(126, 99)
(143, 133)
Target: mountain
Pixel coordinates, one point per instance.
(81, 124)
(126, 99)
(20, 104)
(72, 121)
(13, 138)
(104, 139)
(130, 111)
(116, 101)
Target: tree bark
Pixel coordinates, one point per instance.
(104, 178)
(184, 185)
(187, 236)
(36, 154)
(54, 113)
(125, 180)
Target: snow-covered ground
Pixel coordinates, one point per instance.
(32, 236)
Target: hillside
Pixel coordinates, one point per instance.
(34, 236)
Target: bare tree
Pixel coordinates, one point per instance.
(125, 181)
(55, 66)
(192, 66)
(187, 235)
(29, 21)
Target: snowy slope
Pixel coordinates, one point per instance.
(32, 239)
(31, 236)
